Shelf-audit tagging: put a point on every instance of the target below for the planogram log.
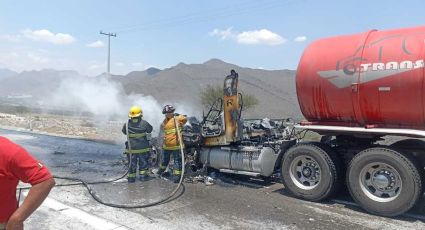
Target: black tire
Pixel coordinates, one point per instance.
(331, 173)
(368, 165)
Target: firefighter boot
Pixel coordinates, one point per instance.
(144, 176)
(161, 171)
(176, 175)
(131, 179)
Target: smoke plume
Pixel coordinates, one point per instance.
(106, 100)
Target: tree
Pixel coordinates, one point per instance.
(249, 101)
(211, 93)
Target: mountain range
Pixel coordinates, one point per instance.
(274, 89)
(34, 84)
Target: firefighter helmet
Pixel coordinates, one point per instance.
(168, 109)
(135, 111)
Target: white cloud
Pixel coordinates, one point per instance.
(120, 64)
(300, 39)
(254, 37)
(10, 38)
(223, 34)
(20, 60)
(96, 44)
(47, 36)
(262, 36)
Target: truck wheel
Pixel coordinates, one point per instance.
(384, 181)
(311, 171)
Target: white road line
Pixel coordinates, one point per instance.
(85, 217)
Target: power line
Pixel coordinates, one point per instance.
(178, 18)
(109, 49)
(223, 12)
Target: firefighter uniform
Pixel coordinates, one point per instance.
(171, 144)
(139, 146)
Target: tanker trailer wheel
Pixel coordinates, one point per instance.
(384, 181)
(311, 171)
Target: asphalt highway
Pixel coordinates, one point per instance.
(233, 202)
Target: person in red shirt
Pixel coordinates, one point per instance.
(16, 164)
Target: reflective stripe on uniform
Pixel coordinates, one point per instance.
(177, 172)
(171, 131)
(176, 147)
(131, 175)
(162, 166)
(136, 135)
(136, 151)
(143, 172)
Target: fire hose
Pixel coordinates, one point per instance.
(98, 199)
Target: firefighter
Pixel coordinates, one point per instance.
(171, 144)
(139, 144)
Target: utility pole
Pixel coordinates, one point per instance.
(109, 49)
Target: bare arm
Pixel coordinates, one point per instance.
(36, 196)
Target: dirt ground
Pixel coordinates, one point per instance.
(72, 126)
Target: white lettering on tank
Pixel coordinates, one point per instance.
(391, 65)
(365, 66)
(406, 65)
(378, 66)
(419, 64)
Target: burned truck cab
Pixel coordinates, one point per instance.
(231, 145)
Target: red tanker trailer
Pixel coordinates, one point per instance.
(356, 89)
(372, 79)
(353, 90)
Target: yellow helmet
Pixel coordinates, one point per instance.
(135, 111)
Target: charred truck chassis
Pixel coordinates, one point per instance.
(255, 158)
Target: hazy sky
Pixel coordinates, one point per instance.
(268, 34)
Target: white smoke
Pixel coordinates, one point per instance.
(152, 109)
(106, 100)
(99, 96)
